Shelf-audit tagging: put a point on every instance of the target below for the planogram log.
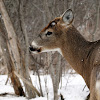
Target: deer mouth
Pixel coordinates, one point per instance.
(35, 49)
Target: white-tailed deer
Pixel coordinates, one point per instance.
(82, 55)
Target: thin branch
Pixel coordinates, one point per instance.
(38, 8)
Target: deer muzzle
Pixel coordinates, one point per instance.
(34, 49)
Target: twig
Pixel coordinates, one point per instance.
(7, 80)
(39, 81)
(84, 88)
(37, 61)
(45, 80)
(68, 78)
(4, 94)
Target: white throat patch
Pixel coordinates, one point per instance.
(57, 49)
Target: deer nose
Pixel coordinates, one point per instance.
(31, 48)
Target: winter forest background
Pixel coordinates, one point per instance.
(28, 17)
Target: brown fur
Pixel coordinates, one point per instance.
(82, 55)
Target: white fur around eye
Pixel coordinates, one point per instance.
(53, 23)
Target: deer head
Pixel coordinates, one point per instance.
(51, 37)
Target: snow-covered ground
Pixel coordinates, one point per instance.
(72, 88)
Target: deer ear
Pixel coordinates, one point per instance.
(68, 16)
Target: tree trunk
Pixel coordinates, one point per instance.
(15, 51)
(10, 65)
(25, 59)
(13, 58)
(55, 72)
(12, 43)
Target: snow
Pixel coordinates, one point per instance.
(71, 88)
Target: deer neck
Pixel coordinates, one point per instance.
(73, 48)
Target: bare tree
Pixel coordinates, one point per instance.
(10, 65)
(25, 64)
(14, 52)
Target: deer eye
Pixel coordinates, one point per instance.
(48, 33)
